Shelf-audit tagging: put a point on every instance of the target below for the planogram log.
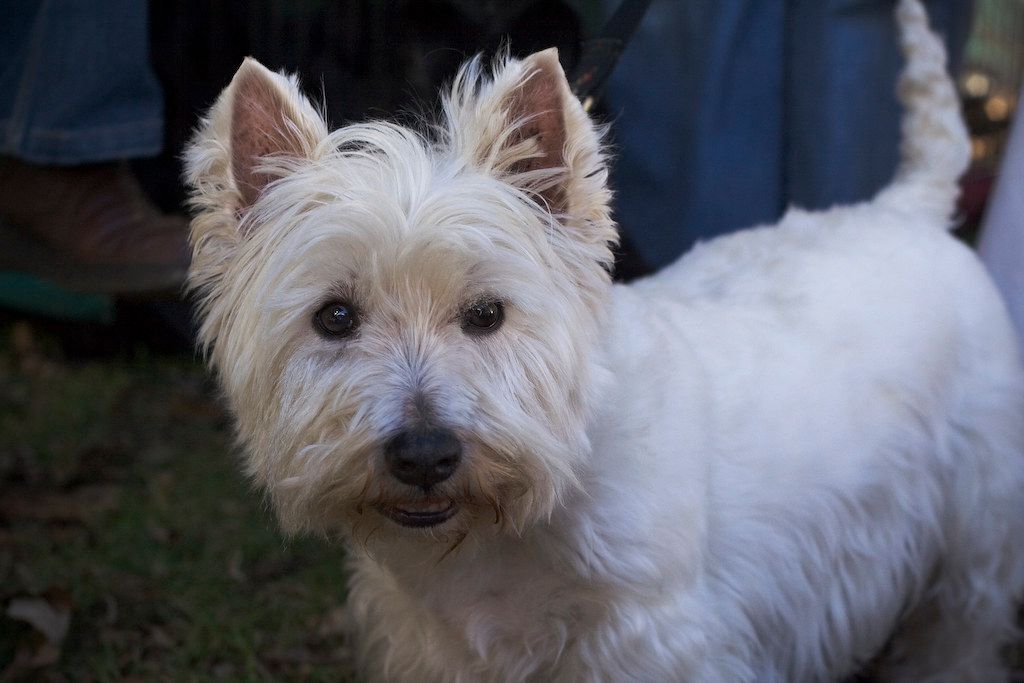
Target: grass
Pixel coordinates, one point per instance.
(123, 505)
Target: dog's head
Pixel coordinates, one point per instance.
(404, 321)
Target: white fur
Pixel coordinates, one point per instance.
(798, 450)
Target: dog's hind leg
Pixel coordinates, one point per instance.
(934, 646)
(967, 614)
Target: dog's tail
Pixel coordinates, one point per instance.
(936, 147)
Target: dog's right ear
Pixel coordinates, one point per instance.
(260, 126)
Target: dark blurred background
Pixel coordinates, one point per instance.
(130, 546)
(386, 58)
(362, 59)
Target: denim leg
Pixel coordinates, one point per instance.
(696, 102)
(75, 82)
(727, 112)
(842, 126)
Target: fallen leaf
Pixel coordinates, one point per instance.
(49, 616)
(52, 619)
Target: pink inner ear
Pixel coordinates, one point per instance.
(539, 100)
(259, 127)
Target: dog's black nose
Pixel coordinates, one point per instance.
(423, 456)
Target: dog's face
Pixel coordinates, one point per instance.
(404, 326)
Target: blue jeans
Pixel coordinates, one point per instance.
(75, 82)
(727, 112)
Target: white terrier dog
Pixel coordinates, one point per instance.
(798, 450)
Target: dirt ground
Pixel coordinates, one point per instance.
(131, 548)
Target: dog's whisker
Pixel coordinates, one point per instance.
(452, 547)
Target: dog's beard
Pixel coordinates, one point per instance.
(493, 492)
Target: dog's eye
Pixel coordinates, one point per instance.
(336, 319)
(483, 317)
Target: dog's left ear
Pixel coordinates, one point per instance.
(527, 127)
(536, 111)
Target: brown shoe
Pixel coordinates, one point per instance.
(88, 228)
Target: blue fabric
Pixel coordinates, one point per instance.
(727, 112)
(75, 82)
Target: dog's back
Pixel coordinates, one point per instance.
(866, 405)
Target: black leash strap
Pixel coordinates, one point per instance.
(601, 54)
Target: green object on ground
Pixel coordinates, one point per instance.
(23, 292)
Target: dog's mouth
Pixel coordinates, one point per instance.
(420, 515)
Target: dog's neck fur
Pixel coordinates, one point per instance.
(589, 559)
